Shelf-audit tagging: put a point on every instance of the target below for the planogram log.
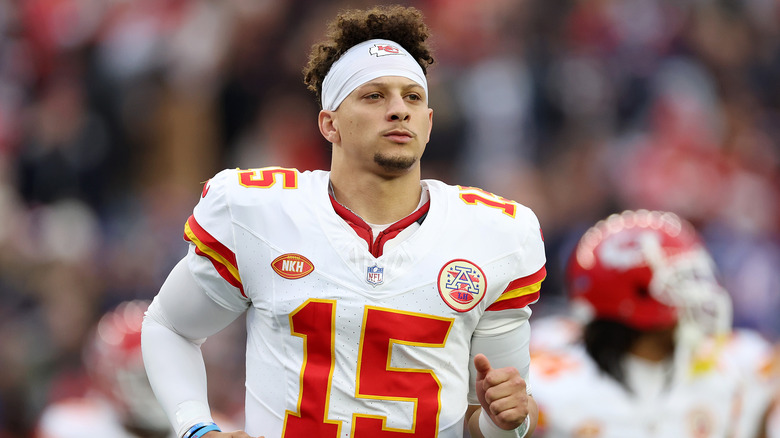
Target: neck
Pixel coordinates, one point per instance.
(654, 346)
(375, 199)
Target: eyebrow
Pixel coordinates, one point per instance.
(383, 84)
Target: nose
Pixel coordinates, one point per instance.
(397, 110)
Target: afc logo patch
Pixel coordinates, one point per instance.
(462, 284)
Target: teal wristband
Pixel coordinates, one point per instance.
(200, 429)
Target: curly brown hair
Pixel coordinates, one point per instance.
(404, 25)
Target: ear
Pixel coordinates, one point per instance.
(430, 124)
(328, 126)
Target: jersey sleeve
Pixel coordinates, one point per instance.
(503, 333)
(511, 307)
(212, 252)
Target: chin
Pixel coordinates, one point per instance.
(395, 164)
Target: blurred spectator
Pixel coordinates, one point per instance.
(64, 155)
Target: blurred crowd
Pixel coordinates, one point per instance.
(114, 112)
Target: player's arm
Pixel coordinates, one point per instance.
(499, 377)
(176, 324)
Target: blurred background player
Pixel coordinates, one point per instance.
(648, 350)
(120, 403)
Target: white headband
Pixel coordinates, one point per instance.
(366, 61)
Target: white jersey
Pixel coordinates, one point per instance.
(577, 400)
(551, 332)
(346, 336)
(754, 357)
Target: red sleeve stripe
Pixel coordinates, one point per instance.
(520, 292)
(223, 259)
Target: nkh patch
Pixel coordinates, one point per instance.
(375, 275)
(292, 266)
(462, 284)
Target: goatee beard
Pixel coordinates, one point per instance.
(394, 163)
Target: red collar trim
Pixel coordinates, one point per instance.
(363, 230)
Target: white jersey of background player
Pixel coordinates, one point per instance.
(660, 327)
(355, 329)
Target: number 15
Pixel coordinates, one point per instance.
(315, 322)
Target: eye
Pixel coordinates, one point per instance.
(414, 97)
(373, 96)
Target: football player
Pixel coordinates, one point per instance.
(121, 403)
(655, 355)
(378, 304)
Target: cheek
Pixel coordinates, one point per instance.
(425, 129)
(353, 127)
(347, 130)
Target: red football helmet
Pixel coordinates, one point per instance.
(113, 359)
(648, 270)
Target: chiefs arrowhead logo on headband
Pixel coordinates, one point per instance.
(367, 61)
(384, 50)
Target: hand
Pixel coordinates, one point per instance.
(502, 393)
(235, 434)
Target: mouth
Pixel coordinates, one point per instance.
(399, 135)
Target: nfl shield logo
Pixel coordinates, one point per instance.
(374, 275)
